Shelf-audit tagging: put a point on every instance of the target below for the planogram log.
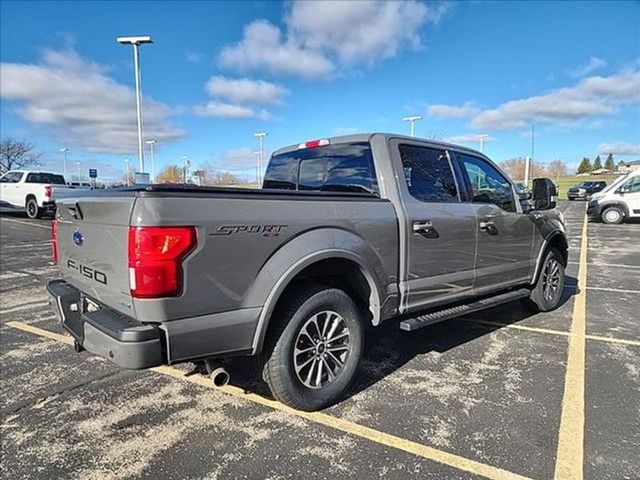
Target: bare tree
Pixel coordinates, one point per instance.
(17, 154)
(515, 168)
(557, 168)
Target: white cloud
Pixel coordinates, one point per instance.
(319, 35)
(360, 32)
(468, 138)
(592, 65)
(451, 111)
(245, 90)
(194, 57)
(619, 149)
(240, 158)
(79, 105)
(591, 96)
(262, 48)
(229, 110)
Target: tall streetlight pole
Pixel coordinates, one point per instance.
(64, 161)
(412, 122)
(151, 143)
(481, 139)
(126, 161)
(260, 136)
(187, 164)
(257, 154)
(136, 42)
(78, 165)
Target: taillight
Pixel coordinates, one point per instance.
(155, 259)
(48, 190)
(54, 239)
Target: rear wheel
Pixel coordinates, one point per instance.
(313, 347)
(612, 215)
(33, 210)
(547, 293)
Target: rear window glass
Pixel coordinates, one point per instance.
(333, 168)
(45, 178)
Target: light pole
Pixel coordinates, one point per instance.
(257, 154)
(481, 139)
(412, 121)
(136, 42)
(187, 164)
(260, 136)
(78, 165)
(128, 176)
(64, 161)
(151, 143)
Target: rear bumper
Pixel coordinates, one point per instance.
(105, 332)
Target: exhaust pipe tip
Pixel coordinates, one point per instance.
(220, 377)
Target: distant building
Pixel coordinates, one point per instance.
(626, 167)
(600, 171)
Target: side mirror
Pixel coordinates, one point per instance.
(545, 195)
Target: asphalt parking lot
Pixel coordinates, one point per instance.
(499, 394)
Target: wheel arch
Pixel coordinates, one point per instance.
(558, 240)
(29, 197)
(621, 205)
(354, 269)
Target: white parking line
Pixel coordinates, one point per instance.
(616, 265)
(48, 227)
(617, 290)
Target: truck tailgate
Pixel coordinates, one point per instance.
(92, 241)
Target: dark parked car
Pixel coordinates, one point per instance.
(585, 189)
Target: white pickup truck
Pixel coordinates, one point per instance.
(36, 192)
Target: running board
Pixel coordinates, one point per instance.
(439, 315)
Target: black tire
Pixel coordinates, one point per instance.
(571, 199)
(293, 314)
(539, 301)
(33, 210)
(612, 215)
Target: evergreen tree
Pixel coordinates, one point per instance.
(609, 164)
(597, 163)
(585, 165)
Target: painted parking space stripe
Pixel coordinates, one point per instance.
(357, 430)
(570, 456)
(48, 227)
(515, 326)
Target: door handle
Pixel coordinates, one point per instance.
(488, 226)
(425, 228)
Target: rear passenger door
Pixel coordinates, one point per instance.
(505, 234)
(439, 230)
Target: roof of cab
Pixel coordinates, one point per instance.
(366, 137)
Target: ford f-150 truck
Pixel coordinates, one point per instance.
(36, 192)
(345, 233)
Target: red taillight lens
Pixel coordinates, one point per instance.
(54, 239)
(48, 189)
(155, 259)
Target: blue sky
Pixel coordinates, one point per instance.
(218, 72)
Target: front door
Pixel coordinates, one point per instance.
(9, 189)
(505, 234)
(439, 230)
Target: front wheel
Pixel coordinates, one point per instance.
(313, 347)
(547, 293)
(612, 215)
(33, 210)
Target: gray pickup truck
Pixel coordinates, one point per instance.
(346, 233)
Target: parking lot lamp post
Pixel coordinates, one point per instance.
(481, 139)
(187, 164)
(64, 161)
(260, 136)
(151, 143)
(412, 122)
(78, 165)
(126, 161)
(136, 42)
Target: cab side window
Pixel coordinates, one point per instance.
(487, 184)
(428, 174)
(632, 185)
(11, 177)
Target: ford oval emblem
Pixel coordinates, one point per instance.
(78, 238)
